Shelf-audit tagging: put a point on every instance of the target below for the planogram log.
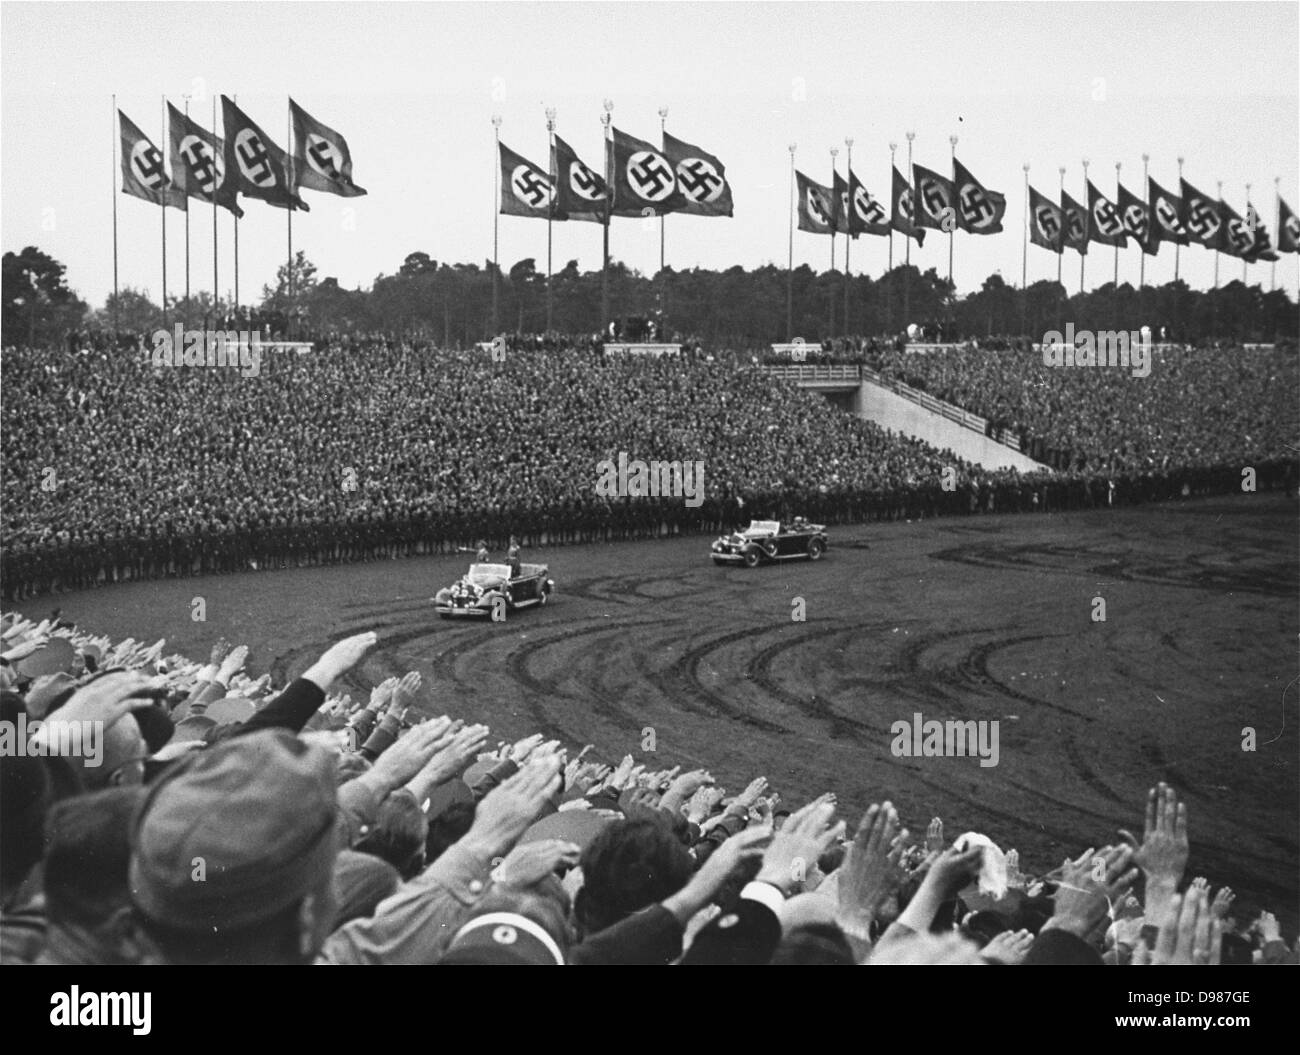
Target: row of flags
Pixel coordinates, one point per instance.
(246, 161)
(1191, 217)
(929, 200)
(639, 180)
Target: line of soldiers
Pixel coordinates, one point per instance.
(71, 563)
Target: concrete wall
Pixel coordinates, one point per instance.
(892, 411)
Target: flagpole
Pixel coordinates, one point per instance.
(163, 203)
(907, 242)
(835, 151)
(663, 314)
(496, 216)
(1146, 197)
(606, 120)
(1115, 281)
(1244, 261)
(550, 210)
(1277, 226)
(663, 120)
(889, 299)
(1177, 246)
(293, 298)
(789, 270)
(1216, 247)
(1024, 257)
(952, 233)
(235, 240)
(216, 186)
(848, 223)
(1083, 257)
(116, 139)
(187, 231)
(1060, 257)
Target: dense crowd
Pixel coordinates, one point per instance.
(362, 449)
(161, 810)
(1197, 407)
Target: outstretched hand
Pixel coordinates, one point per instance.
(339, 658)
(795, 849)
(1190, 934)
(871, 871)
(1089, 887)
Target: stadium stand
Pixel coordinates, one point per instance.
(374, 448)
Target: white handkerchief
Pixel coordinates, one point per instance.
(993, 871)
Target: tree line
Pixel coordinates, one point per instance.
(452, 304)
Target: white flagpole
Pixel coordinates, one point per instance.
(1083, 257)
(1219, 194)
(1146, 198)
(496, 217)
(116, 142)
(1177, 246)
(888, 292)
(848, 224)
(1244, 262)
(789, 271)
(1115, 283)
(834, 205)
(550, 210)
(1024, 257)
(163, 202)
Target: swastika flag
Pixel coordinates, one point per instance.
(902, 215)
(260, 168)
(526, 189)
(1263, 247)
(866, 214)
(1075, 235)
(701, 179)
(935, 199)
(1104, 223)
(199, 162)
(321, 159)
(839, 203)
(1135, 216)
(1288, 229)
(1236, 236)
(979, 210)
(143, 174)
(1046, 222)
(1200, 216)
(815, 211)
(1164, 211)
(581, 194)
(645, 180)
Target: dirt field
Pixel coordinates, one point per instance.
(986, 618)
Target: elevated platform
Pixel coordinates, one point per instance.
(656, 350)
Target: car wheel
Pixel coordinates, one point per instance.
(816, 547)
(751, 557)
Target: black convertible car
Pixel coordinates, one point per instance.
(771, 540)
(490, 591)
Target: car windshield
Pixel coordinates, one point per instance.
(483, 573)
(761, 527)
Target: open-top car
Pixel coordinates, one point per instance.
(490, 591)
(771, 540)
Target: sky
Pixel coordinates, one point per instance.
(413, 88)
